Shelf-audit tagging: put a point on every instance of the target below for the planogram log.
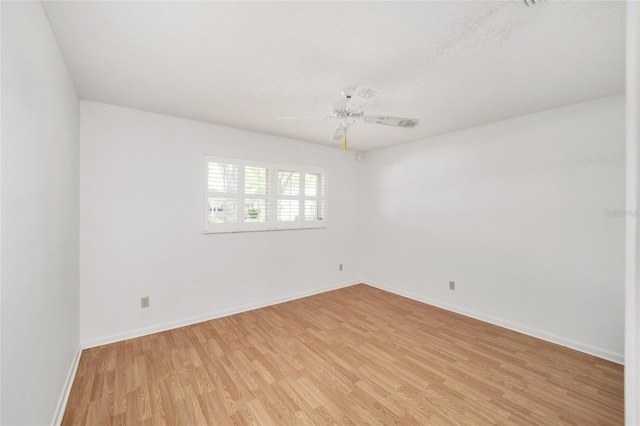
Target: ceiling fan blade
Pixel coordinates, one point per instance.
(392, 121)
(361, 98)
(340, 132)
(318, 117)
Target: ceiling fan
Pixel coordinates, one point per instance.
(351, 109)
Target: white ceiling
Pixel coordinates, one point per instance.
(453, 65)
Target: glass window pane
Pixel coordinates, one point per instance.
(288, 183)
(223, 210)
(256, 210)
(313, 210)
(223, 177)
(256, 180)
(288, 210)
(312, 185)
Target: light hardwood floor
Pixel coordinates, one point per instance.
(357, 355)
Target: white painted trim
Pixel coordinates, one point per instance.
(0, 226)
(632, 246)
(66, 389)
(213, 315)
(582, 347)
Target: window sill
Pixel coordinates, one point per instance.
(242, 231)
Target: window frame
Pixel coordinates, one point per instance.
(272, 197)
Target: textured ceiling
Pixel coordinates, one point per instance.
(453, 65)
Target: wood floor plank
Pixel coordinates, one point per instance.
(357, 355)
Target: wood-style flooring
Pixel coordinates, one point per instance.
(357, 355)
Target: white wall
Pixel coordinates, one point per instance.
(141, 226)
(515, 213)
(40, 147)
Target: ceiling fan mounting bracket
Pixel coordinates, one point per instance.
(348, 92)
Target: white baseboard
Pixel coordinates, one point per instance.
(66, 389)
(572, 344)
(90, 343)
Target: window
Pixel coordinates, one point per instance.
(249, 196)
(288, 196)
(313, 196)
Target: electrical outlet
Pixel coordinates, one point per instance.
(340, 267)
(452, 285)
(144, 302)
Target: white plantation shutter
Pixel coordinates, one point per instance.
(256, 190)
(250, 196)
(313, 197)
(222, 193)
(288, 196)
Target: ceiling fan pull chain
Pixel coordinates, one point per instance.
(345, 142)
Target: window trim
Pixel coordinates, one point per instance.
(272, 224)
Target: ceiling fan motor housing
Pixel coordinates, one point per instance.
(340, 110)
